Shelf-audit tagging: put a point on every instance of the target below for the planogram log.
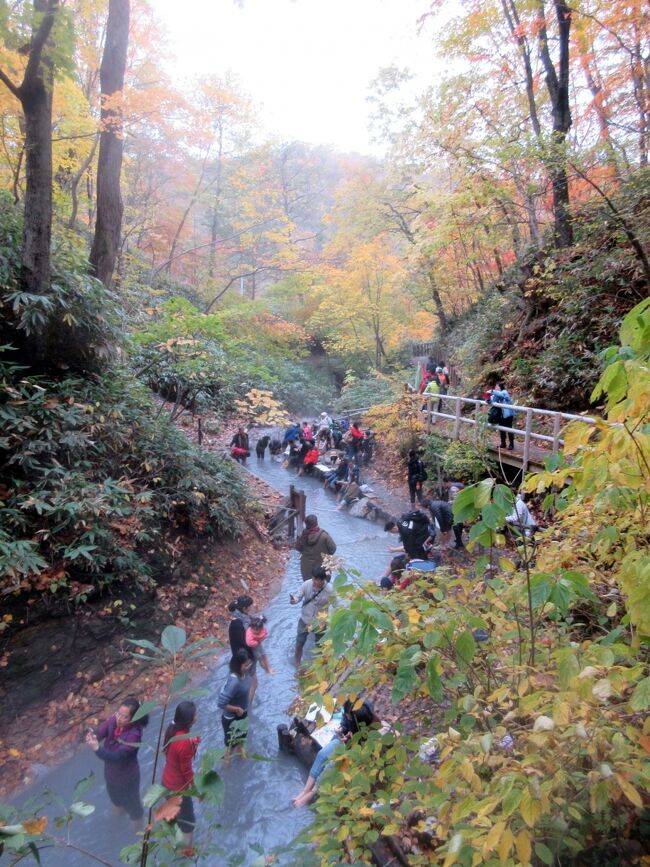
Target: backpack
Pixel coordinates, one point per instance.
(494, 415)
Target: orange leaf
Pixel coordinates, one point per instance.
(168, 810)
(35, 826)
(644, 740)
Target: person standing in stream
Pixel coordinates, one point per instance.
(240, 609)
(178, 776)
(116, 742)
(314, 544)
(314, 595)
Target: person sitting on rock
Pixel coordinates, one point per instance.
(355, 719)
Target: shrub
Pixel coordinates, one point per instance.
(74, 326)
(90, 477)
(461, 461)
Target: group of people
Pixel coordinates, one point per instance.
(117, 740)
(116, 743)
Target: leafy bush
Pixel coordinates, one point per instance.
(90, 477)
(461, 461)
(74, 326)
(366, 392)
(542, 741)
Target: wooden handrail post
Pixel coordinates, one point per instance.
(529, 427)
(428, 415)
(457, 419)
(557, 422)
(477, 408)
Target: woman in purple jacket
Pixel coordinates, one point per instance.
(119, 751)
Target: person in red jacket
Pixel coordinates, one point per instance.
(178, 775)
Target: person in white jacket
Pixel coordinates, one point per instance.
(521, 517)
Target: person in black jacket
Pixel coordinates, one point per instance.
(415, 533)
(417, 475)
(241, 610)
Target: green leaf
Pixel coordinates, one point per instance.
(145, 708)
(173, 638)
(153, 794)
(560, 596)
(464, 507)
(511, 802)
(179, 682)
(465, 647)
(640, 699)
(540, 589)
(483, 492)
(493, 516)
(406, 677)
(434, 684)
(568, 666)
(210, 786)
(504, 499)
(544, 854)
(83, 785)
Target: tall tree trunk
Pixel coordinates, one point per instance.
(109, 198)
(557, 84)
(74, 186)
(437, 303)
(37, 228)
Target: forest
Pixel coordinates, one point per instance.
(165, 259)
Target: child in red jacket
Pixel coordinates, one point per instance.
(178, 774)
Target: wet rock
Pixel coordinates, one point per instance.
(361, 508)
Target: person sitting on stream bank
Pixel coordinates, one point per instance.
(314, 544)
(315, 595)
(353, 721)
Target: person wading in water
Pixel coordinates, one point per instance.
(314, 544)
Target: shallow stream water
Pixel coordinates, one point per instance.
(257, 805)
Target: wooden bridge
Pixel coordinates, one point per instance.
(537, 432)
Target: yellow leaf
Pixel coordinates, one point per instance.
(505, 845)
(523, 847)
(493, 837)
(414, 615)
(14, 753)
(576, 435)
(530, 808)
(629, 791)
(561, 713)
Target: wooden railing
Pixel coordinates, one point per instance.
(543, 426)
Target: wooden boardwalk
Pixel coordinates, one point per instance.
(537, 432)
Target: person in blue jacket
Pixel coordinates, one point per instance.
(502, 399)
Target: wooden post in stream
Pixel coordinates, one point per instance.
(298, 507)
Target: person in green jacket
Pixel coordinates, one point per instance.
(431, 391)
(314, 544)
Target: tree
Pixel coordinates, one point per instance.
(557, 84)
(109, 198)
(35, 96)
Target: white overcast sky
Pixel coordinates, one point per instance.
(308, 63)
